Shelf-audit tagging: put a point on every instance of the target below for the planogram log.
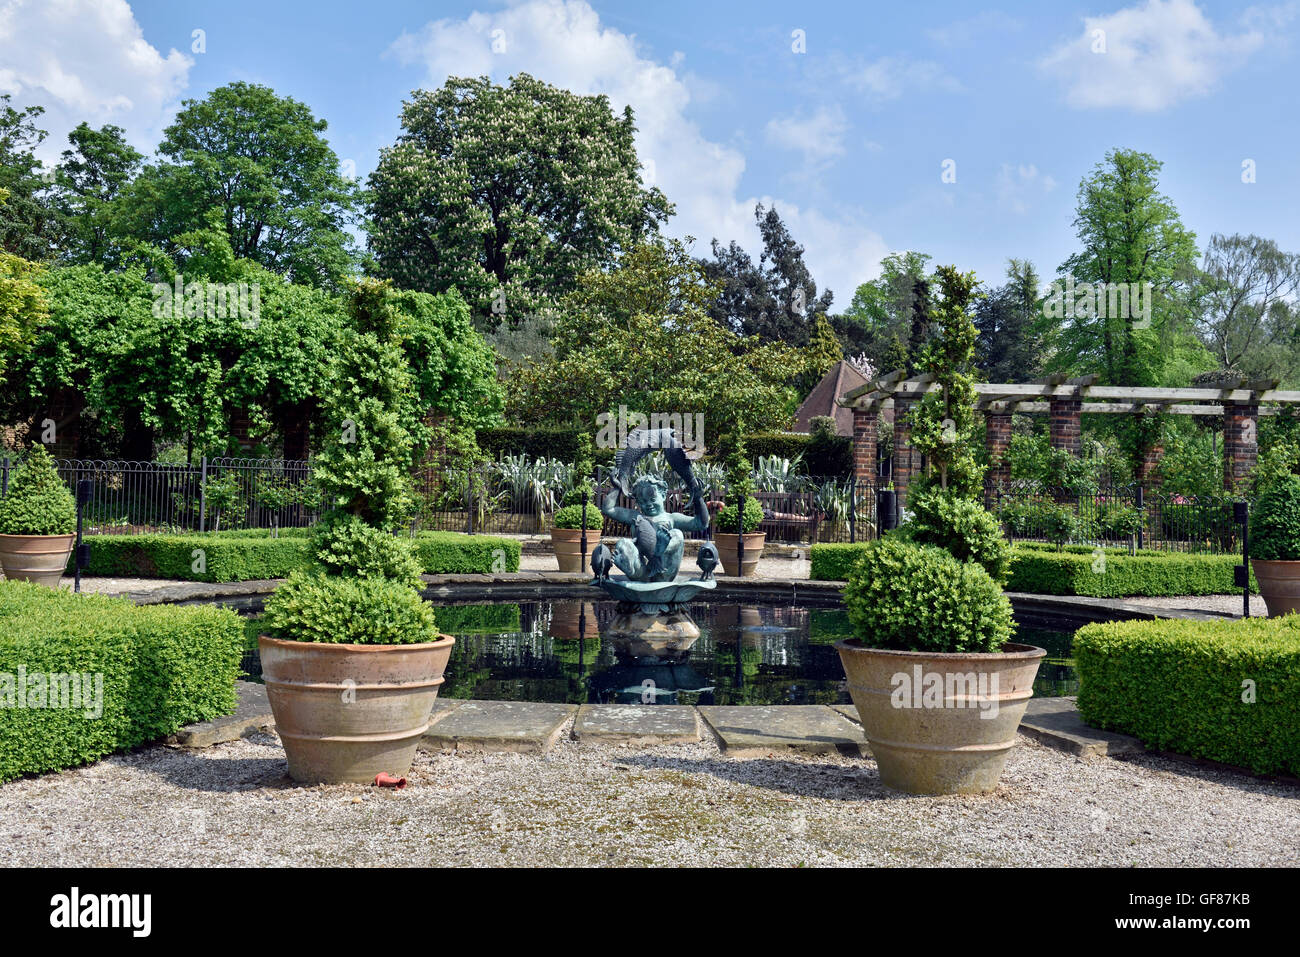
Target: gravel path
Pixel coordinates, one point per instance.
(1222, 604)
(598, 805)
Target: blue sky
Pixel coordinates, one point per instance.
(847, 138)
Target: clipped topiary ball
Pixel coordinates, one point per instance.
(349, 611)
(965, 529)
(1275, 522)
(38, 502)
(910, 597)
(343, 544)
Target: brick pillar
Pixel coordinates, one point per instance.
(241, 428)
(1147, 475)
(997, 438)
(1066, 432)
(902, 449)
(1240, 447)
(864, 446)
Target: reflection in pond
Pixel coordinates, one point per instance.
(744, 654)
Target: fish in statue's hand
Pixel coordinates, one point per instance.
(602, 560)
(707, 560)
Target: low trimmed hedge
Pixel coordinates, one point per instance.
(1185, 686)
(1043, 570)
(1077, 570)
(162, 667)
(245, 556)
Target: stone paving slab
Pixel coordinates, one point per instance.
(1056, 722)
(525, 726)
(636, 724)
(753, 729)
(253, 713)
(849, 711)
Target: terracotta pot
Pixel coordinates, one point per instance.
(35, 558)
(346, 713)
(727, 543)
(953, 740)
(1279, 585)
(567, 543)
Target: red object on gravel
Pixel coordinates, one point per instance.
(385, 780)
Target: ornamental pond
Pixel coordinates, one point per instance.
(747, 654)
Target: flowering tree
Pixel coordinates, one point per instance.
(508, 194)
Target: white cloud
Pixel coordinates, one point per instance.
(1156, 54)
(1019, 185)
(87, 60)
(564, 43)
(819, 135)
(890, 77)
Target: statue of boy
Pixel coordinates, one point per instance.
(654, 552)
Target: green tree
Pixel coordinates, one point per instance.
(29, 228)
(1009, 346)
(1130, 233)
(23, 307)
(508, 194)
(1248, 317)
(91, 175)
(776, 298)
(642, 336)
(262, 161)
(887, 316)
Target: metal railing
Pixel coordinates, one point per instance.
(1118, 515)
(212, 494)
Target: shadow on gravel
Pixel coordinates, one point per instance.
(1211, 772)
(829, 782)
(196, 771)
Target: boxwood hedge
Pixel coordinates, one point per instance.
(1227, 691)
(153, 668)
(1078, 570)
(247, 555)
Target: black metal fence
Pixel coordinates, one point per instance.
(213, 494)
(511, 497)
(1118, 515)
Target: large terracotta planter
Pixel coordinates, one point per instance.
(35, 558)
(1279, 585)
(951, 741)
(567, 543)
(727, 552)
(346, 713)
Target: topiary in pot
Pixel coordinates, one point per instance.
(38, 517)
(567, 534)
(353, 660)
(1275, 545)
(939, 689)
(965, 529)
(728, 541)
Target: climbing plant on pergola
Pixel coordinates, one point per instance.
(1239, 400)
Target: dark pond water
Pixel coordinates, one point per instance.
(746, 654)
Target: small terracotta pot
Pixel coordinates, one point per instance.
(727, 552)
(35, 558)
(346, 713)
(1279, 585)
(949, 739)
(567, 543)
